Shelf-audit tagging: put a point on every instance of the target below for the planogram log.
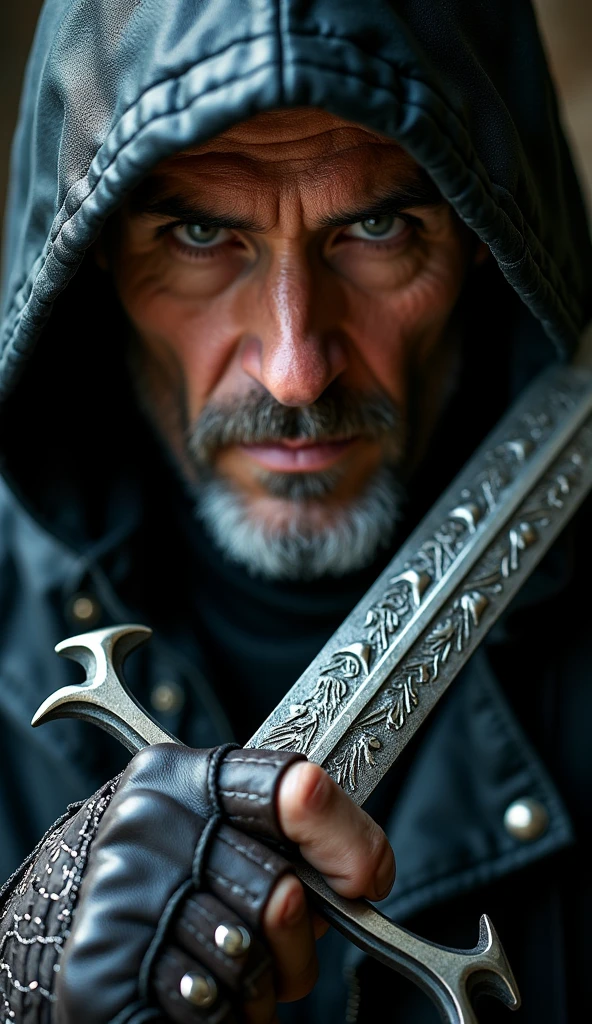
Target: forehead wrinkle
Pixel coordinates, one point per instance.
(211, 197)
(292, 123)
(309, 192)
(320, 143)
(235, 171)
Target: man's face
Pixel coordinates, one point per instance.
(290, 286)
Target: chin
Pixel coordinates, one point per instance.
(284, 515)
(286, 538)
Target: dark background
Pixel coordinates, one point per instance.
(566, 25)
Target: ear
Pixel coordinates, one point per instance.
(481, 254)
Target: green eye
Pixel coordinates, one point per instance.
(202, 234)
(379, 228)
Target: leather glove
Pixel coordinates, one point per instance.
(172, 898)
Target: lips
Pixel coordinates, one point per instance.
(297, 456)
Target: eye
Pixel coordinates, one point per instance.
(377, 228)
(200, 236)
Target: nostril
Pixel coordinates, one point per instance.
(294, 367)
(297, 373)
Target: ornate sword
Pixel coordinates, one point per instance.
(378, 677)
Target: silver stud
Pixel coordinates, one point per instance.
(232, 939)
(526, 819)
(198, 989)
(167, 697)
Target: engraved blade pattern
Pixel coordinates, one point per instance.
(361, 700)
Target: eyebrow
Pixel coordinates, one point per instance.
(420, 192)
(417, 192)
(186, 211)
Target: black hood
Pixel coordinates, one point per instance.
(114, 86)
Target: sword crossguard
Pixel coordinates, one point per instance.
(104, 698)
(450, 977)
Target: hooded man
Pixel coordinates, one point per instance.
(272, 271)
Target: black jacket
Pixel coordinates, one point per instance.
(89, 506)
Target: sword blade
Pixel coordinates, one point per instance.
(361, 700)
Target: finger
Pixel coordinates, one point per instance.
(290, 938)
(207, 930)
(335, 835)
(171, 974)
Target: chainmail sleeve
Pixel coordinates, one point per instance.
(36, 908)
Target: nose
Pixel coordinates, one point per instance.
(294, 348)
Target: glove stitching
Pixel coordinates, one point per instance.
(238, 890)
(249, 854)
(257, 760)
(207, 914)
(249, 979)
(253, 819)
(194, 930)
(212, 919)
(259, 797)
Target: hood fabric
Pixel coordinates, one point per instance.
(114, 86)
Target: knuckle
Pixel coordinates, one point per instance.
(286, 906)
(366, 858)
(316, 788)
(377, 844)
(306, 790)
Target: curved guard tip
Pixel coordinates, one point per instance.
(94, 650)
(135, 634)
(501, 981)
(46, 712)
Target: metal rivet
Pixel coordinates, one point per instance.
(526, 819)
(198, 989)
(232, 939)
(167, 697)
(85, 609)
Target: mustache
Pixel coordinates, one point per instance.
(258, 418)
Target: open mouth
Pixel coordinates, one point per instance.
(298, 456)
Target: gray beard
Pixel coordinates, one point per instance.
(296, 551)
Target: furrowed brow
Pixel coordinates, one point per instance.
(421, 192)
(182, 210)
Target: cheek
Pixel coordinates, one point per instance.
(180, 326)
(396, 329)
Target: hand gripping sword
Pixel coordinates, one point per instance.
(362, 699)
